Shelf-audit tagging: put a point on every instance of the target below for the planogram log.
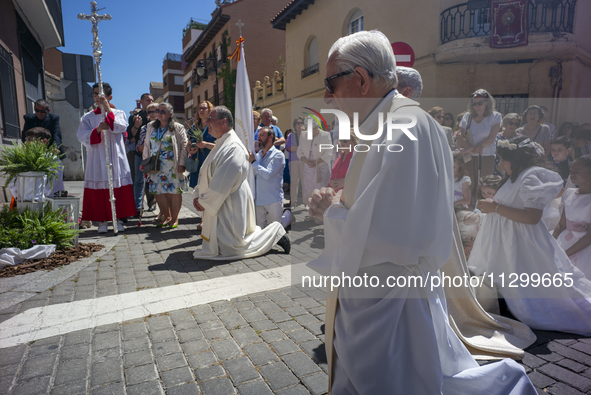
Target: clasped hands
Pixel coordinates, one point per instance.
(322, 199)
(197, 206)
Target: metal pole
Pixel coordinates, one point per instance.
(94, 18)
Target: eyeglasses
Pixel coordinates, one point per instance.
(94, 94)
(448, 118)
(335, 76)
(153, 112)
(479, 103)
(41, 111)
(161, 112)
(513, 123)
(299, 123)
(438, 117)
(210, 118)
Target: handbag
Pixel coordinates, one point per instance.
(192, 165)
(468, 137)
(152, 164)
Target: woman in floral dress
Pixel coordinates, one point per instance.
(168, 140)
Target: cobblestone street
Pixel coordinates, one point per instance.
(267, 340)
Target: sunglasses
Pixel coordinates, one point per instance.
(513, 123)
(448, 118)
(438, 117)
(327, 80)
(479, 103)
(41, 111)
(153, 112)
(161, 112)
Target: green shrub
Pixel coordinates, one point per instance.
(29, 228)
(29, 156)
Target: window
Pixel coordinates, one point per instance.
(356, 22)
(511, 103)
(178, 80)
(312, 52)
(165, 81)
(188, 86)
(481, 22)
(9, 122)
(205, 95)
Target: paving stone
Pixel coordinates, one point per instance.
(141, 374)
(233, 321)
(289, 326)
(179, 316)
(137, 358)
(106, 328)
(165, 348)
(570, 353)
(12, 355)
(105, 340)
(243, 304)
(203, 317)
(245, 336)
(297, 390)
(260, 354)
(171, 361)
(257, 387)
(226, 349)
(532, 361)
(268, 307)
(308, 302)
(185, 389)
(279, 316)
(209, 372)
(221, 385)
(72, 370)
(301, 336)
(300, 364)
(216, 334)
(78, 387)
(148, 388)
(273, 335)
(210, 325)
(560, 374)
(539, 380)
(176, 376)
(131, 331)
(195, 347)
(111, 389)
(189, 334)
(159, 322)
(264, 325)
(572, 365)
(583, 347)
(37, 386)
(43, 350)
(76, 351)
(106, 372)
(253, 315)
(8, 372)
(241, 370)
(105, 355)
(139, 343)
(317, 384)
(162, 335)
(39, 366)
(315, 350)
(202, 360)
(563, 389)
(316, 328)
(278, 376)
(295, 310)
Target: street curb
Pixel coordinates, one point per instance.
(22, 292)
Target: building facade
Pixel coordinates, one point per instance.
(172, 84)
(451, 44)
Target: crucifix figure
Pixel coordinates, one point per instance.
(240, 24)
(95, 18)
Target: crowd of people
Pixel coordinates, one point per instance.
(521, 198)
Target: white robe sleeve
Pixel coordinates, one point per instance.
(230, 169)
(85, 130)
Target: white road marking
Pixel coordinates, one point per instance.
(58, 319)
(402, 58)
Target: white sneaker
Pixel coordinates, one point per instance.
(103, 227)
(120, 227)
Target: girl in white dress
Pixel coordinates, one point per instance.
(572, 232)
(514, 251)
(462, 195)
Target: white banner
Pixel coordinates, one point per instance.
(243, 120)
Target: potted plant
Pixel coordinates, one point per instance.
(33, 161)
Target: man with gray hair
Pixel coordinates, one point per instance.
(410, 83)
(267, 120)
(223, 195)
(392, 220)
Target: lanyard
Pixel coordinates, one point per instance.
(160, 133)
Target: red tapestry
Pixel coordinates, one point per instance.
(509, 23)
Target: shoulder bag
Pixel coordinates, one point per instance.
(152, 164)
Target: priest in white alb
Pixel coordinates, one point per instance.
(96, 205)
(222, 193)
(393, 219)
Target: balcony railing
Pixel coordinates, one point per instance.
(460, 21)
(310, 70)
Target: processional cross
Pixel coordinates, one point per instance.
(240, 24)
(97, 46)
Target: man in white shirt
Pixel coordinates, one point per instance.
(268, 165)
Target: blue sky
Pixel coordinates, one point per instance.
(134, 41)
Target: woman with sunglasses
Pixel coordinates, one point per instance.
(167, 140)
(478, 129)
(511, 122)
(152, 114)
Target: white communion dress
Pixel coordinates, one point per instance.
(577, 208)
(526, 264)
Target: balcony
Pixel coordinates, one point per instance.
(548, 16)
(45, 17)
(310, 70)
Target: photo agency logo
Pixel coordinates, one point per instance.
(388, 122)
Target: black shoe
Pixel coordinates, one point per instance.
(285, 244)
(124, 220)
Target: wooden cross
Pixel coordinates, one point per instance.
(95, 18)
(240, 24)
